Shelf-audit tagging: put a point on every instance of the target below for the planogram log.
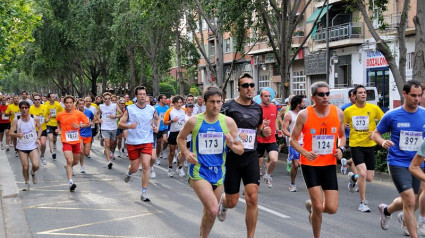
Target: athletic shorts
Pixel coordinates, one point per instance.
(4, 126)
(134, 151)
(75, 148)
(119, 131)
(403, 179)
(263, 147)
(94, 131)
(44, 133)
(364, 155)
(324, 176)
(249, 173)
(213, 175)
(109, 134)
(160, 133)
(154, 140)
(26, 151)
(52, 129)
(86, 140)
(293, 154)
(172, 138)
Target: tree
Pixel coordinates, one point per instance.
(419, 64)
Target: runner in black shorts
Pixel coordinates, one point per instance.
(248, 116)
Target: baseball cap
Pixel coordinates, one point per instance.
(189, 105)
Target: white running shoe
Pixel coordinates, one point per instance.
(34, 178)
(27, 187)
(221, 209)
(351, 182)
(153, 174)
(170, 172)
(364, 206)
(421, 228)
(292, 188)
(158, 161)
(140, 167)
(400, 218)
(268, 180)
(127, 177)
(344, 166)
(43, 160)
(308, 206)
(180, 172)
(82, 170)
(144, 197)
(384, 219)
(175, 158)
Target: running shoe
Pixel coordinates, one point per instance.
(43, 160)
(364, 206)
(54, 156)
(221, 209)
(34, 179)
(153, 174)
(140, 167)
(7, 148)
(351, 182)
(421, 228)
(268, 180)
(288, 166)
(2, 148)
(384, 218)
(170, 172)
(158, 161)
(308, 207)
(292, 188)
(16, 153)
(27, 186)
(127, 177)
(400, 218)
(112, 155)
(110, 165)
(175, 159)
(180, 172)
(344, 166)
(72, 187)
(144, 197)
(82, 170)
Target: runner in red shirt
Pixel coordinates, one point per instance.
(4, 124)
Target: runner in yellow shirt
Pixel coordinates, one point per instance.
(40, 111)
(13, 111)
(53, 108)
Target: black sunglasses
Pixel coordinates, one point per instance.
(323, 94)
(246, 85)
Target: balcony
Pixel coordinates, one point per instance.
(297, 40)
(341, 35)
(391, 22)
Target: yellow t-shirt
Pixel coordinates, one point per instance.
(128, 103)
(362, 123)
(95, 105)
(42, 113)
(53, 110)
(13, 110)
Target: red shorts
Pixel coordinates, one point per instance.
(134, 151)
(86, 140)
(75, 148)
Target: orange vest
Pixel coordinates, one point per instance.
(321, 135)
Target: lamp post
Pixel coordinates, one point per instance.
(327, 41)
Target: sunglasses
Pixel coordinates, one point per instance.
(107, 98)
(37, 99)
(246, 85)
(323, 94)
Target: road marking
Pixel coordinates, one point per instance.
(268, 210)
(85, 209)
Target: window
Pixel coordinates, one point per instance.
(227, 45)
(276, 70)
(298, 83)
(264, 82)
(410, 59)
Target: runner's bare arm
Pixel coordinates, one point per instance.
(415, 167)
(14, 127)
(341, 134)
(123, 122)
(119, 113)
(235, 146)
(287, 119)
(377, 137)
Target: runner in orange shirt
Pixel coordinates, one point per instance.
(321, 124)
(70, 121)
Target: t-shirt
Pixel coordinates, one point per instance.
(198, 109)
(362, 123)
(347, 130)
(269, 113)
(407, 133)
(13, 110)
(172, 113)
(248, 119)
(53, 109)
(128, 103)
(41, 113)
(106, 111)
(161, 113)
(3, 118)
(86, 131)
(70, 135)
(143, 133)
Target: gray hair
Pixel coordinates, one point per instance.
(317, 85)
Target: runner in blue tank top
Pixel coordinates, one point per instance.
(212, 135)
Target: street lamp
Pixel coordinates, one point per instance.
(264, 67)
(335, 59)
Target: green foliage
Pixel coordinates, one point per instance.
(381, 156)
(194, 91)
(166, 88)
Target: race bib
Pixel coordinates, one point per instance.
(210, 143)
(179, 125)
(323, 144)
(360, 123)
(28, 137)
(410, 140)
(41, 119)
(4, 117)
(161, 116)
(53, 112)
(71, 136)
(249, 142)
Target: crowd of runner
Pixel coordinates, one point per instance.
(217, 145)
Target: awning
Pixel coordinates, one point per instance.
(315, 15)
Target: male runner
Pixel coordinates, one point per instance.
(321, 126)
(40, 111)
(4, 124)
(161, 136)
(85, 133)
(344, 162)
(199, 106)
(54, 108)
(416, 170)
(13, 112)
(212, 134)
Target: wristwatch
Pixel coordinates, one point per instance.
(342, 149)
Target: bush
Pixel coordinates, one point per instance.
(194, 92)
(166, 88)
(381, 156)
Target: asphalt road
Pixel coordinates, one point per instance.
(104, 206)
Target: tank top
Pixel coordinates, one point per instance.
(291, 126)
(208, 141)
(143, 134)
(320, 136)
(108, 123)
(29, 138)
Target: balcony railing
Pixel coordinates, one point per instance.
(297, 40)
(392, 21)
(340, 32)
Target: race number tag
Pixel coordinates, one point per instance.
(4, 117)
(179, 125)
(360, 123)
(41, 119)
(249, 142)
(323, 144)
(28, 137)
(161, 116)
(71, 136)
(210, 143)
(410, 140)
(53, 112)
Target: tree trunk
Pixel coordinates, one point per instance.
(155, 79)
(130, 54)
(419, 64)
(179, 61)
(219, 58)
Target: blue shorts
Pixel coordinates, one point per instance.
(214, 175)
(293, 154)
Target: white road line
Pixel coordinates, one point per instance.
(268, 210)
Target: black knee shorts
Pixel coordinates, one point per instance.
(52, 129)
(44, 133)
(263, 147)
(364, 155)
(403, 179)
(324, 176)
(4, 126)
(172, 138)
(249, 173)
